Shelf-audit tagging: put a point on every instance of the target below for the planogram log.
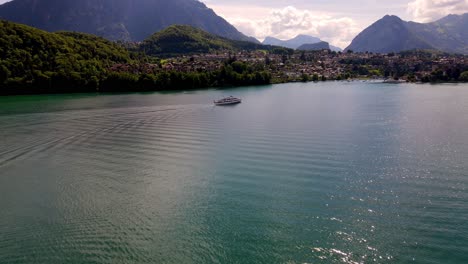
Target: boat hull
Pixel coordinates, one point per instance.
(228, 103)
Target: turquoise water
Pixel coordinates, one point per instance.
(298, 173)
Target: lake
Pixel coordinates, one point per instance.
(334, 172)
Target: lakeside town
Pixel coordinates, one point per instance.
(410, 66)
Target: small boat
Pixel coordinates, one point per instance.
(393, 81)
(228, 101)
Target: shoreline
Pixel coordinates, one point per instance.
(364, 80)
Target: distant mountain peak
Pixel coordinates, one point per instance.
(272, 38)
(295, 42)
(392, 34)
(452, 18)
(309, 39)
(455, 16)
(304, 36)
(392, 17)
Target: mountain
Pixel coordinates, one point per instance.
(117, 19)
(291, 43)
(391, 34)
(296, 42)
(183, 39)
(448, 34)
(273, 41)
(316, 46)
(335, 48)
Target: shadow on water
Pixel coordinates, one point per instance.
(87, 101)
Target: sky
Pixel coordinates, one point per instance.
(335, 21)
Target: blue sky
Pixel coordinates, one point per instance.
(335, 21)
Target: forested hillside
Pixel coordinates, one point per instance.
(36, 61)
(183, 39)
(60, 61)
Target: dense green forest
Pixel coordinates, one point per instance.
(231, 74)
(35, 61)
(182, 39)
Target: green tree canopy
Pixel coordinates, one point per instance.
(464, 76)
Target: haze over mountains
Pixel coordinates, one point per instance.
(296, 42)
(129, 20)
(293, 43)
(391, 34)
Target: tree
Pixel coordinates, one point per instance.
(146, 82)
(464, 76)
(239, 66)
(119, 82)
(4, 74)
(303, 57)
(315, 77)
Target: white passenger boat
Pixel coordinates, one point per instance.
(228, 101)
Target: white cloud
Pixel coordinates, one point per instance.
(431, 10)
(288, 22)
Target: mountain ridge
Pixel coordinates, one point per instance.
(295, 42)
(185, 39)
(392, 34)
(128, 20)
(323, 45)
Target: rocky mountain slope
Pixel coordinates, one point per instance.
(391, 34)
(129, 20)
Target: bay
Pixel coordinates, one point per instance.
(333, 172)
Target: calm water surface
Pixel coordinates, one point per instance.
(297, 173)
